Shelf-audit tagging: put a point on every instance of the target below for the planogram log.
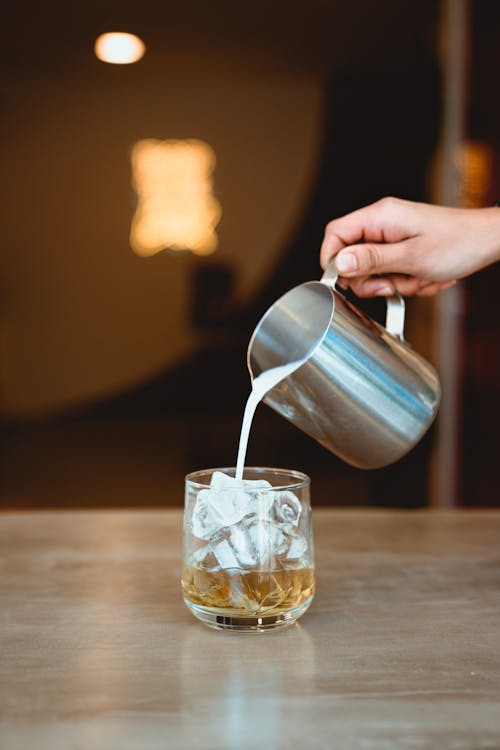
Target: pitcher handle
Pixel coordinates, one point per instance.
(330, 274)
(395, 317)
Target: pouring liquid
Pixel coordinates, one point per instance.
(260, 386)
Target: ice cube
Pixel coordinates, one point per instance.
(286, 508)
(251, 543)
(223, 550)
(227, 501)
(208, 516)
(232, 546)
(205, 559)
(275, 544)
(266, 540)
(294, 546)
(221, 481)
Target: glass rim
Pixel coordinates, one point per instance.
(301, 479)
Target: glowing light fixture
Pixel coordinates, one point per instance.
(474, 162)
(119, 48)
(176, 206)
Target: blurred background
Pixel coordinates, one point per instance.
(152, 212)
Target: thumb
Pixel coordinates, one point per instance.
(372, 257)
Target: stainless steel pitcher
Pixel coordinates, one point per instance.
(361, 390)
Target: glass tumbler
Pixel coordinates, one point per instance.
(248, 548)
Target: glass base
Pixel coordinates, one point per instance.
(246, 624)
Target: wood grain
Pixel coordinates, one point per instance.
(400, 649)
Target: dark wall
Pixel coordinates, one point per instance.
(481, 351)
(381, 122)
(381, 130)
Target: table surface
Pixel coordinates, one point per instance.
(400, 648)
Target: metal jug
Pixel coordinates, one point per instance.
(360, 390)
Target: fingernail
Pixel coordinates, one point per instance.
(346, 263)
(384, 290)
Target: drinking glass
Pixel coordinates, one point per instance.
(248, 548)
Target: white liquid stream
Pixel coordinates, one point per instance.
(261, 385)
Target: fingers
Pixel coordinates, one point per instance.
(348, 230)
(374, 258)
(385, 286)
(387, 220)
(385, 248)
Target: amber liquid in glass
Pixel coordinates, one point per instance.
(245, 593)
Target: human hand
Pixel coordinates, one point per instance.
(395, 245)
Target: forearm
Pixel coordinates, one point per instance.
(488, 235)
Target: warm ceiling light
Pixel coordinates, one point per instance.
(119, 48)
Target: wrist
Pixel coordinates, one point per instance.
(493, 233)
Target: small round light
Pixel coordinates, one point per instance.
(119, 48)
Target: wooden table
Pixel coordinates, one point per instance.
(400, 649)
